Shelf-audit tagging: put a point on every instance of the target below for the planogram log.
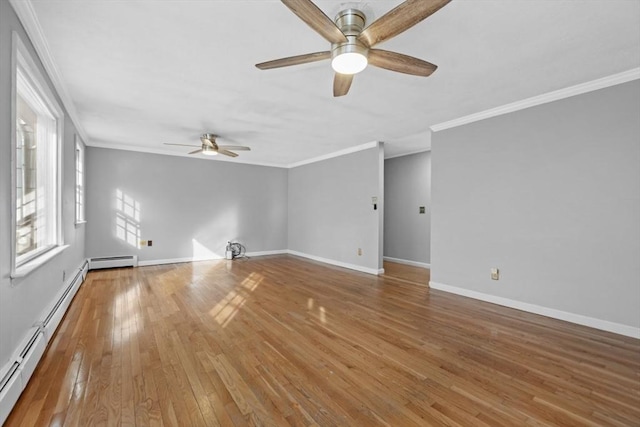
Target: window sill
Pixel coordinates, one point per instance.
(26, 268)
(79, 223)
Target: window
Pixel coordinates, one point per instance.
(36, 150)
(79, 181)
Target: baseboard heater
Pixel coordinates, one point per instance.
(23, 364)
(113, 262)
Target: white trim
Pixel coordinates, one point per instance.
(349, 150)
(407, 262)
(79, 157)
(176, 260)
(24, 69)
(624, 77)
(29, 266)
(579, 319)
(207, 258)
(28, 18)
(422, 150)
(139, 149)
(98, 263)
(338, 263)
(265, 253)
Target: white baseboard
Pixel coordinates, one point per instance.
(579, 319)
(407, 262)
(338, 263)
(264, 253)
(175, 260)
(208, 258)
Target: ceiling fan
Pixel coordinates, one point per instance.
(352, 43)
(211, 148)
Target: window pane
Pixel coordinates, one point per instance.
(79, 183)
(26, 178)
(36, 173)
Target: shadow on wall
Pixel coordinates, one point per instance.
(210, 241)
(127, 219)
(201, 252)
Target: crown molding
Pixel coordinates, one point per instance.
(615, 79)
(395, 156)
(339, 153)
(138, 149)
(27, 16)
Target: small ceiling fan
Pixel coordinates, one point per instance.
(211, 148)
(352, 43)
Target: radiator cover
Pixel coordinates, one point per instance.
(113, 262)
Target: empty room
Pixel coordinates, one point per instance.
(320, 213)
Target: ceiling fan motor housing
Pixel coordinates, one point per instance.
(209, 136)
(351, 22)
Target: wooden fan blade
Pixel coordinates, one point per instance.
(196, 151)
(234, 147)
(316, 19)
(341, 84)
(182, 145)
(294, 60)
(399, 19)
(401, 63)
(227, 153)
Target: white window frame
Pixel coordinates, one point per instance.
(80, 188)
(29, 72)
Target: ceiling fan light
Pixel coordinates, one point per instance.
(350, 57)
(349, 63)
(209, 151)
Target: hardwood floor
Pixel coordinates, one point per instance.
(407, 273)
(281, 340)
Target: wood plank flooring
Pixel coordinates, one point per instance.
(280, 341)
(408, 273)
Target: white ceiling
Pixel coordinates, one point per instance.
(141, 73)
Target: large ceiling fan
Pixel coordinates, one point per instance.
(352, 44)
(211, 148)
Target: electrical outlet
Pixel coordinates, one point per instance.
(143, 243)
(495, 274)
(149, 242)
(422, 210)
(359, 251)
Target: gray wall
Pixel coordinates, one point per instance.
(23, 301)
(551, 196)
(407, 186)
(188, 207)
(330, 209)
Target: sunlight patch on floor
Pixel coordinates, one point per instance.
(230, 305)
(125, 307)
